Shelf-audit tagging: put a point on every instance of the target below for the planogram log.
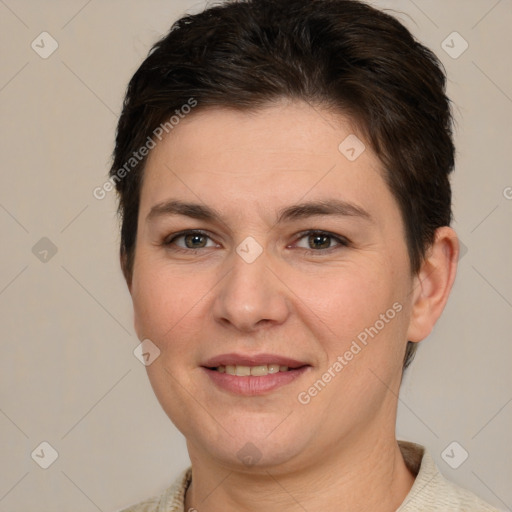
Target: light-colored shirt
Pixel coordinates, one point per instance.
(431, 491)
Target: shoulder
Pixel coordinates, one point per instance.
(431, 491)
(171, 500)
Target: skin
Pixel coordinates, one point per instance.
(295, 299)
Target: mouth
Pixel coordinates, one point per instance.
(253, 375)
(257, 371)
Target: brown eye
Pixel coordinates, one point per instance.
(195, 240)
(189, 240)
(319, 241)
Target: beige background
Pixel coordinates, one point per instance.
(68, 375)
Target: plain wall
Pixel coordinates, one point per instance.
(68, 375)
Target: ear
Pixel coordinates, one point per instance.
(433, 283)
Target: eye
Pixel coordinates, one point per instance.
(318, 241)
(190, 240)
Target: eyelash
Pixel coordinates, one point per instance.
(342, 241)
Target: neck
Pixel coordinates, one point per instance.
(366, 476)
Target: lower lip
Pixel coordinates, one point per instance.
(252, 385)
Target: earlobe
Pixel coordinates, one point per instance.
(433, 283)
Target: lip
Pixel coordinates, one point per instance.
(253, 385)
(252, 360)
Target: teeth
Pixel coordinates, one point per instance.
(258, 371)
(273, 368)
(243, 371)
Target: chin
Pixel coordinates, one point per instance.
(247, 448)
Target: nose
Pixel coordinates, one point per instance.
(251, 296)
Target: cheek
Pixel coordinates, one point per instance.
(169, 304)
(335, 304)
(362, 320)
(156, 302)
(346, 300)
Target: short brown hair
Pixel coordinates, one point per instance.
(343, 55)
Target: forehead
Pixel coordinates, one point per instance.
(269, 158)
(285, 131)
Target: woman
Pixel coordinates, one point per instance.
(282, 170)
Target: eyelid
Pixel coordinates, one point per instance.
(171, 238)
(342, 241)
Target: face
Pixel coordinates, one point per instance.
(261, 246)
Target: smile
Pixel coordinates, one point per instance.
(257, 371)
(255, 374)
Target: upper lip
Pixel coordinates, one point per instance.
(251, 360)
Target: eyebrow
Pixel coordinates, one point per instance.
(299, 211)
